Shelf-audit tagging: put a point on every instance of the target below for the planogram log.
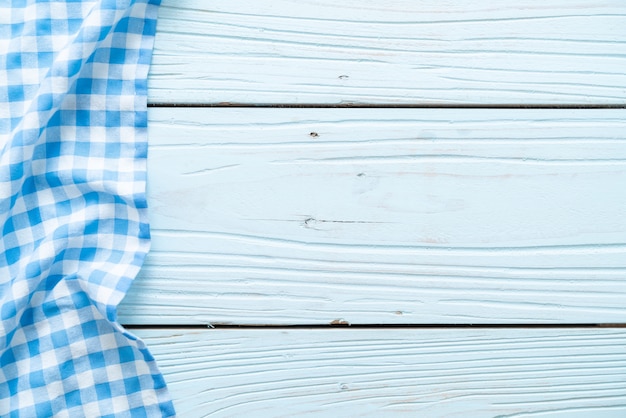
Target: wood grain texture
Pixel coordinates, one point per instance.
(426, 52)
(317, 216)
(556, 373)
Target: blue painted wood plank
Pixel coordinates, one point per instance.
(378, 373)
(426, 52)
(314, 216)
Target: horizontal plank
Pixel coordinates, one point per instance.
(426, 52)
(317, 216)
(573, 373)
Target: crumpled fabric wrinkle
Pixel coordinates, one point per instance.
(73, 141)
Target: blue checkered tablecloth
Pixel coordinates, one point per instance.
(73, 208)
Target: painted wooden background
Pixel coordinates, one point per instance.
(390, 52)
(385, 216)
(409, 168)
(395, 372)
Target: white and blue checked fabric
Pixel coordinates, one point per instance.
(73, 145)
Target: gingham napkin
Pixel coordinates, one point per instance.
(73, 208)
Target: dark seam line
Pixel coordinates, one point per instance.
(375, 326)
(390, 106)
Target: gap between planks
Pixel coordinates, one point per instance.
(392, 106)
(374, 326)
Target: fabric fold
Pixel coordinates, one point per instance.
(73, 119)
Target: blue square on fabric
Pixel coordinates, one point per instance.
(73, 399)
(50, 283)
(39, 152)
(80, 300)
(112, 118)
(44, 27)
(33, 269)
(118, 200)
(53, 149)
(9, 309)
(114, 87)
(20, 351)
(16, 170)
(90, 329)
(117, 55)
(103, 390)
(137, 26)
(19, 136)
(59, 339)
(33, 348)
(28, 186)
(126, 354)
(144, 228)
(73, 24)
(149, 26)
(27, 318)
(110, 175)
(43, 409)
(159, 381)
(73, 67)
(8, 228)
(88, 253)
(112, 149)
(13, 384)
(55, 120)
(61, 232)
(63, 208)
(66, 369)
(122, 25)
(92, 198)
(132, 384)
(45, 101)
(16, 93)
(82, 148)
(17, 28)
(12, 256)
(123, 285)
(96, 360)
(34, 216)
(138, 412)
(80, 176)
(97, 276)
(121, 226)
(92, 227)
(83, 118)
(84, 85)
(141, 118)
(116, 256)
(50, 309)
(104, 32)
(8, 357)
(13, 60)
(98, 117)
(36, 379)
(17, 414)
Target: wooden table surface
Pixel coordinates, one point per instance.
(385, 209)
